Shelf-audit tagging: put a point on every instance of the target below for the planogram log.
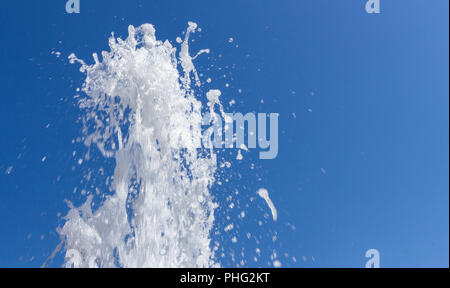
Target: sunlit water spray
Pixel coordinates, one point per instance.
(140, 110)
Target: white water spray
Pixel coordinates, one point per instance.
(141, 111)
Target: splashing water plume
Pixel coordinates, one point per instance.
(142, 112)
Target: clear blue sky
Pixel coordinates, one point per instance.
(364, 164)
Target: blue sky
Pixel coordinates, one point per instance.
(363, 164)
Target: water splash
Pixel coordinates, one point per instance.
(141, 111)
(264, 194)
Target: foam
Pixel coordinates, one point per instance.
(140, 110)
